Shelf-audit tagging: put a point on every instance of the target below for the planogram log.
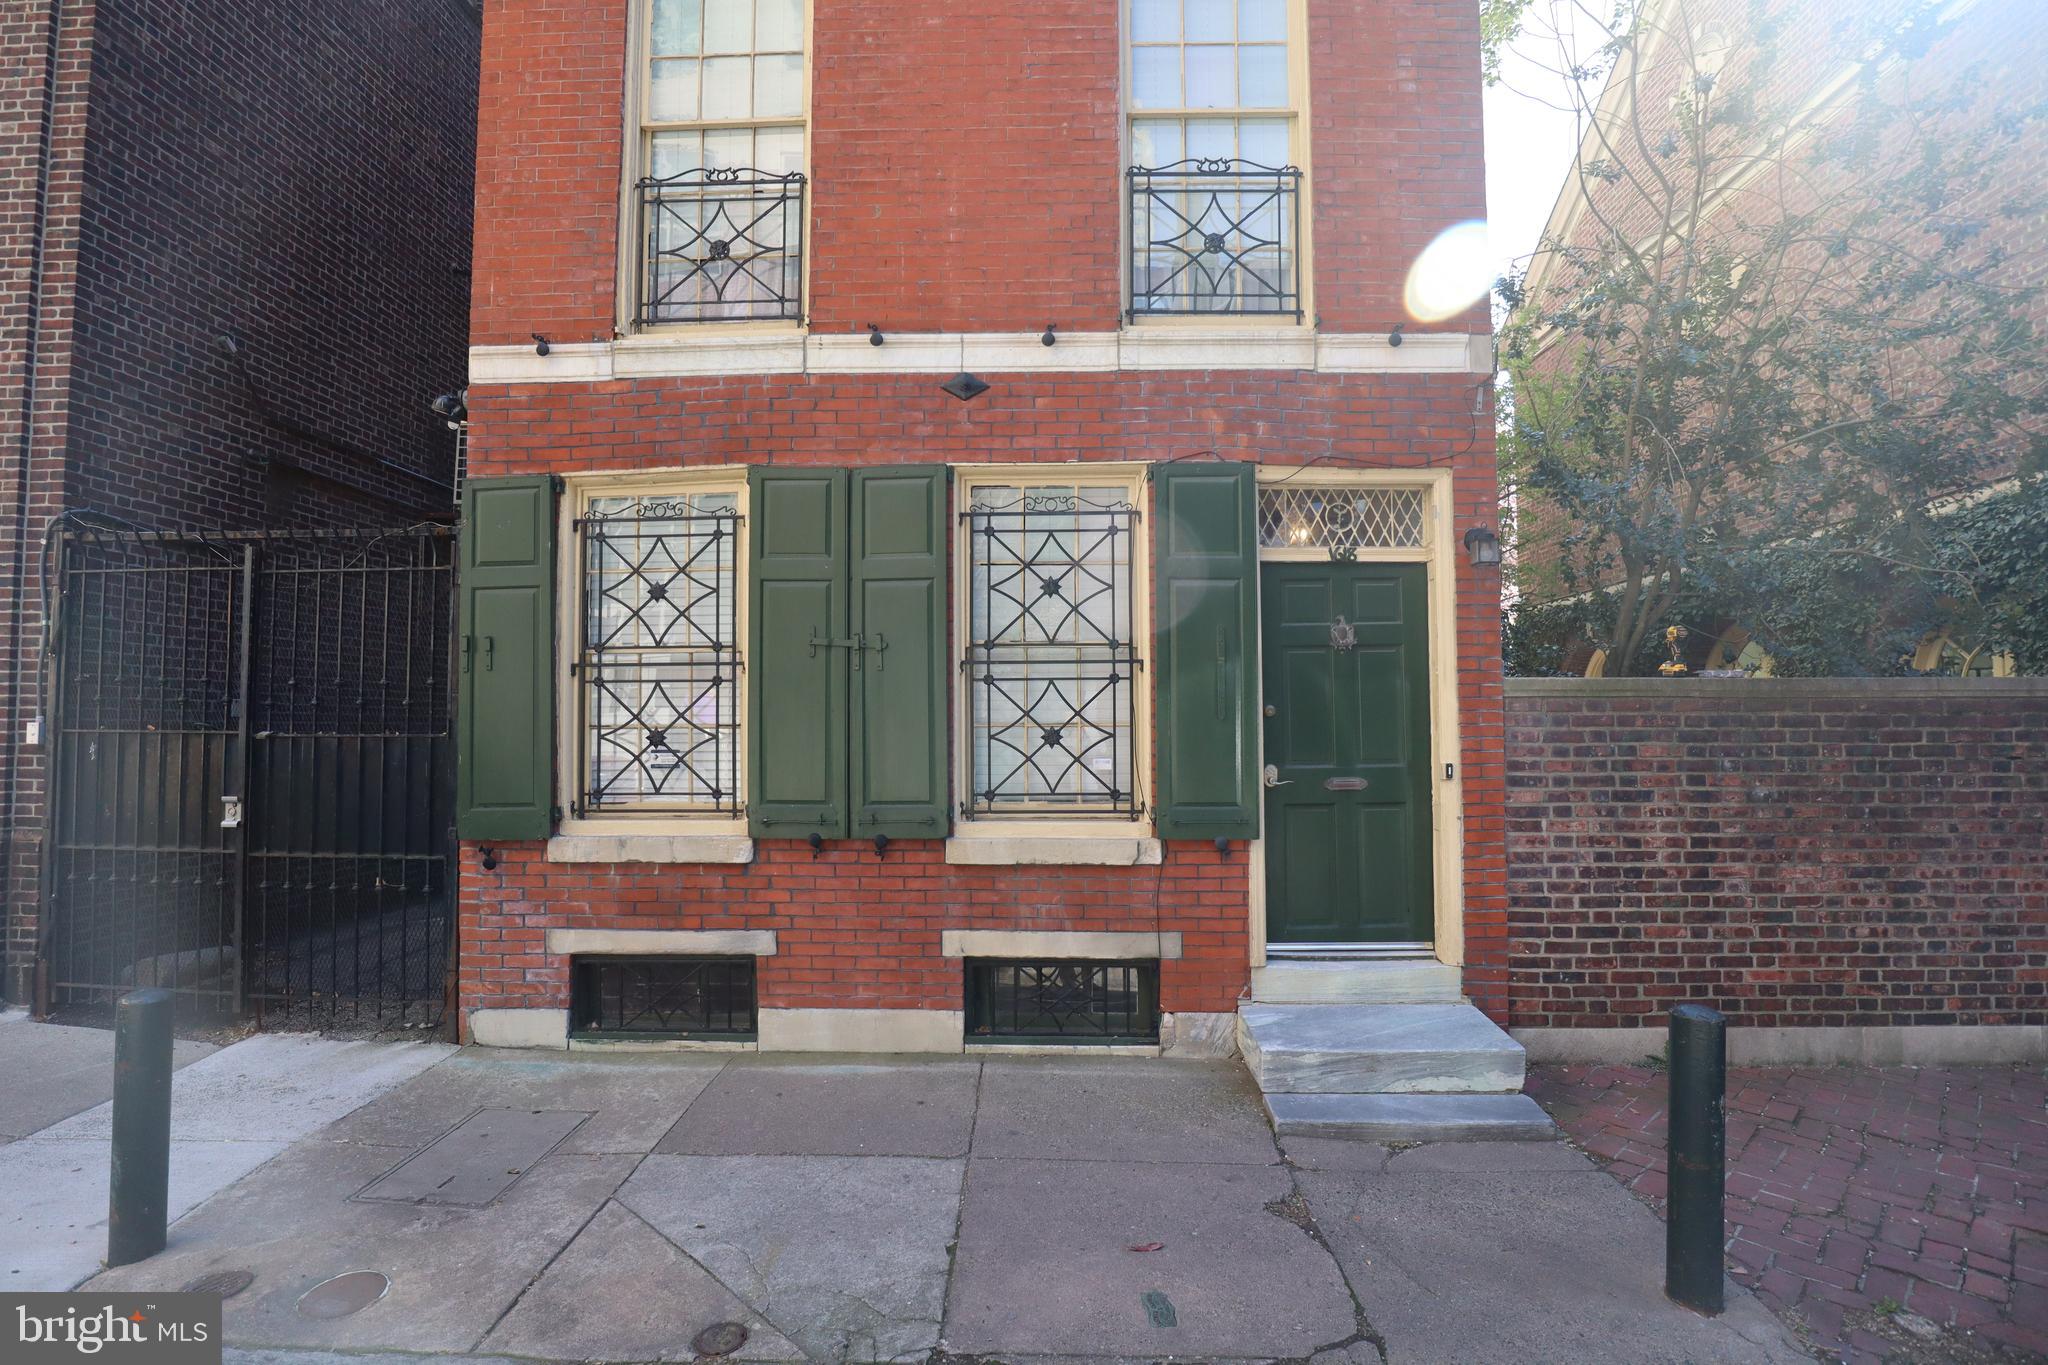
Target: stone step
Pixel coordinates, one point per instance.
(1411, 1118)
(1377, 1049)
(1400, 982)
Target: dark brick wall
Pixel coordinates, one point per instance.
(1791, 852)
(298, 177)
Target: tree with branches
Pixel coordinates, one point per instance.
(1779, 351)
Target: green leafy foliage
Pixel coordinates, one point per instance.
(1765, 373)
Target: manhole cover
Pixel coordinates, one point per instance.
(347, 1293)
(226, 1283)
(719, 1339)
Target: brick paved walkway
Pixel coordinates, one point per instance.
(1854, 1192)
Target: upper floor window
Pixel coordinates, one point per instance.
(1215, 198)
(657, 665)
(720, 198)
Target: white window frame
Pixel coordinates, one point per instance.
(1056, 823)
(579, 492)
(637, 161)
(1297, 114)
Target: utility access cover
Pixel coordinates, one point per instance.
(477, 1160)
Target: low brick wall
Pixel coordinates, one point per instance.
(1797, 853)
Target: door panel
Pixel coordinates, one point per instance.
(1348, 857)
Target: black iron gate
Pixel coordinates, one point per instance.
(252, 787)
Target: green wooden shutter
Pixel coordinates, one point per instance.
(797, 648)
(504, 768)
(1205, 637)
(897, 761)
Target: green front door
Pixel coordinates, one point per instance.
(1346, 652)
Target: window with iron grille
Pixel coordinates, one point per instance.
(720, 194)
(1214, 193)
(663, 997)
(1062, 1001)
(1051, 649)
(658, 663)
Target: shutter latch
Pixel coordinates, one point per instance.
(857, 643)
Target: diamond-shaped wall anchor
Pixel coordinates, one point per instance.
(965, 387)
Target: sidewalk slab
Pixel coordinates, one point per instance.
(808, 1106)
(847, 1256)
(454, 1271)
(1106, 1109)
(1047, 1265)
(56, 1070)
(231, 1112)
(584, 1308)
(634, 1099)
(1463, 1265)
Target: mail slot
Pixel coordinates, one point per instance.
(1343, 784)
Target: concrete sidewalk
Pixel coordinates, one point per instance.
(840, 1209)
(232, 1110)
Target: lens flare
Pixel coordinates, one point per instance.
(1452, 273)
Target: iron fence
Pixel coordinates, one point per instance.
(721, 244)
(1214, 236)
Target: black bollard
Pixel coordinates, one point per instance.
(138, 1194)
(1697, 1158)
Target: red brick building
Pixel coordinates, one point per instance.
(963, 540)
(234, 248)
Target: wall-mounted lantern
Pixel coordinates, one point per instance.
(1483, 545)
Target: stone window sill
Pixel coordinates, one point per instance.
(1043, 850)
(650, 848)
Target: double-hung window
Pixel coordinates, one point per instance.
(719, 199)
(657, 668)
(1052, 667)
(1215, 193)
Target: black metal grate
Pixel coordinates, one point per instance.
(1062, 1001)
(1052, 656)
(721, 243)
(1215, 235)
(658, 671)
(674, 997)
(253, 796)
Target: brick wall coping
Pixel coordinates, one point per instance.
(1772, 691)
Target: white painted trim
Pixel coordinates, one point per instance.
(713, 350)
(519, 1028)
(1037, 850)
(650, 848)
(726, 942)
(1843, 1045)
(821, 1030)
(1096, 945)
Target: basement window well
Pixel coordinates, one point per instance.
(1078, 1002)
(662, 997)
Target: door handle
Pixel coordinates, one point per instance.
(1273, 776)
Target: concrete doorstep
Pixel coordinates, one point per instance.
(652, 1207)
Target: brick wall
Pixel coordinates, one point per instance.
(300, 179)
(966, 174)
(1794, 853)
(897, 908)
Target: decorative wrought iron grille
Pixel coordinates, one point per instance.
(664, 996)
(1322, 517)
(1215, 235)
(658, 670)
(1082, 1002)
(1051, 656)
(721, 243)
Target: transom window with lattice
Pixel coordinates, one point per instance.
(1339, 520)
(658, 662)
(1051, 661)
